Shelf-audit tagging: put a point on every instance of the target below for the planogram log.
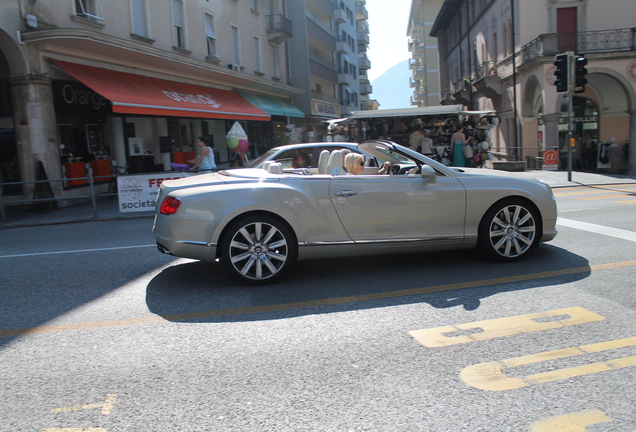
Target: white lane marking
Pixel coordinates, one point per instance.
(598, 229)
(75, 251)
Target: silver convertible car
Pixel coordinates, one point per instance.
(258, 221)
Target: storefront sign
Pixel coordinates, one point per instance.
(325, 109)
(71, 97)
(139, 192)
(576, 119)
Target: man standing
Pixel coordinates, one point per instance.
(415, 140)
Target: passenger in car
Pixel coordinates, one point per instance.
(302, 160)
(354, 164)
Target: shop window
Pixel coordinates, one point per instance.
(89, 9)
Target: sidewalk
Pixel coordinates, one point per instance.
(107, 209)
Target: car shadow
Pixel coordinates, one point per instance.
(204, 292)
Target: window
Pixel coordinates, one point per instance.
(254, 5)
(236, 59)
(257, 54)
(210, 36)
(274, 55)
(177, 19)
(139, 18)
(89, 9)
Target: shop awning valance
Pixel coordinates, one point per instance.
(135, 94)
(273, 106)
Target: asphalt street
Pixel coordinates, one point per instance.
(100, 332)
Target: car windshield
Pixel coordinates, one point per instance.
(262, 158)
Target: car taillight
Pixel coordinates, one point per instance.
(170, 205)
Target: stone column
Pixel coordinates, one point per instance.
(36, 134)
(551, 131)
(631, 167)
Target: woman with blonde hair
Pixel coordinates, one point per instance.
(354, 164)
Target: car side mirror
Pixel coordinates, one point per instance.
(429, 174)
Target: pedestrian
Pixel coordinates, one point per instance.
(415, 139)
(205, 161)
(427, 144)
(458, 141)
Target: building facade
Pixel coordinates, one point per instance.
(331, 40)
(499, 55)
(424, 63)
(89, 83)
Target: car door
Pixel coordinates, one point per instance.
(401, 207)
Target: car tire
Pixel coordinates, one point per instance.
(258, 249)
(509, 230)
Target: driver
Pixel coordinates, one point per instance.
(354, 164)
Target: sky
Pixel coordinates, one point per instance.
(388, 43)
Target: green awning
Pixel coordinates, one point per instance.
(273, 106)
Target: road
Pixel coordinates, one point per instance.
(99, 332)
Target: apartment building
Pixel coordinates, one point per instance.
(424, 62)
(333, 37)
(499, 55)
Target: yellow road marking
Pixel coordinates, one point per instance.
(74, 430)
(626, 202)
(490, 376)
(500, 327)
(595, 191)
(575, 422)
(603, 197)
(308, 304)
(106, 406)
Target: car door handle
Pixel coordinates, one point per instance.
(345, 193)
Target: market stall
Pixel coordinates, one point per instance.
(438, 122)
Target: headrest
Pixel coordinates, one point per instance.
(323, 161)
(336, 162)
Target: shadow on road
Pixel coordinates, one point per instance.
(204, 292)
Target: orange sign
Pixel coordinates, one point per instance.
(551, 160)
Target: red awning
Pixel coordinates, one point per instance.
(135, 94)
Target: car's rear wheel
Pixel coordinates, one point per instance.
(258, 249)
(509, 230)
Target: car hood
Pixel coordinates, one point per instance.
(480, 172)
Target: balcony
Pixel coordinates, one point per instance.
(601, 41)
(324, 97)
(363, 61)
(462, 90)
(365, 88)
(414, 83)
(361, 11)
(363, 37)
(487, 79)
(345, 78)
(279, 28)
(341, 45)
(340, 15)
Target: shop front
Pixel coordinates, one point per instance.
(108, 118)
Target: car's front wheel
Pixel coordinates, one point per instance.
(509, 230)
(258, 249)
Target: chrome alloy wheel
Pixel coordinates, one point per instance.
(512, 231)
(258, 250)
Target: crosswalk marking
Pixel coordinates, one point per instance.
(598, 229)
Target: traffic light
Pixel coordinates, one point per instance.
(561, 73)
(579, 74)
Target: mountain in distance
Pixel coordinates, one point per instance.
(392, 89)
